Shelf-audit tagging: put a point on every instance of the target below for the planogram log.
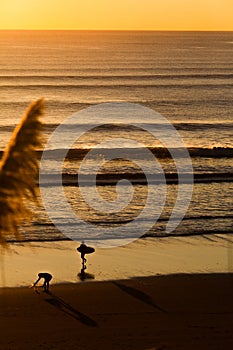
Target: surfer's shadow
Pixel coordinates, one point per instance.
(63, 306)
(82, 275)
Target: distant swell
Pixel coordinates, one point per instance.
(179, 126)
(111, 179)
(65, 106)
(159, 152)
(113, 76)
(115, 85)
(216, 152)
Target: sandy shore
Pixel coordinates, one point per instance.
(145, 257)
(185, 303)
(180, 311)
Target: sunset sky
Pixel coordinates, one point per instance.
(117, 14)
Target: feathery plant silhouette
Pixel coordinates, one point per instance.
(18, 172)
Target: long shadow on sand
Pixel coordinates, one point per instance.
(138, 294)
(69, 310)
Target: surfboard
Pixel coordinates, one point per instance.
(85, 250)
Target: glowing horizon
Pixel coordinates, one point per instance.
(202, 15)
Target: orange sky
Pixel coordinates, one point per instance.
(117, 14)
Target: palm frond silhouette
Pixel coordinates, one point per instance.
(18, 172)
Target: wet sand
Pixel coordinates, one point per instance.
(179, 311)
(145, 257)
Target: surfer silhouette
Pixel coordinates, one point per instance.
(84, 249)
(47, 278)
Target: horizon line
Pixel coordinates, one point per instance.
(116, 30)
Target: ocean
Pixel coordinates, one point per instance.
(186, 77)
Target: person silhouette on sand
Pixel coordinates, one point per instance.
(47, 278)
(84, 249)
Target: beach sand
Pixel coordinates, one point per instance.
(168, 293)
(181, 311)
(144, 257)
